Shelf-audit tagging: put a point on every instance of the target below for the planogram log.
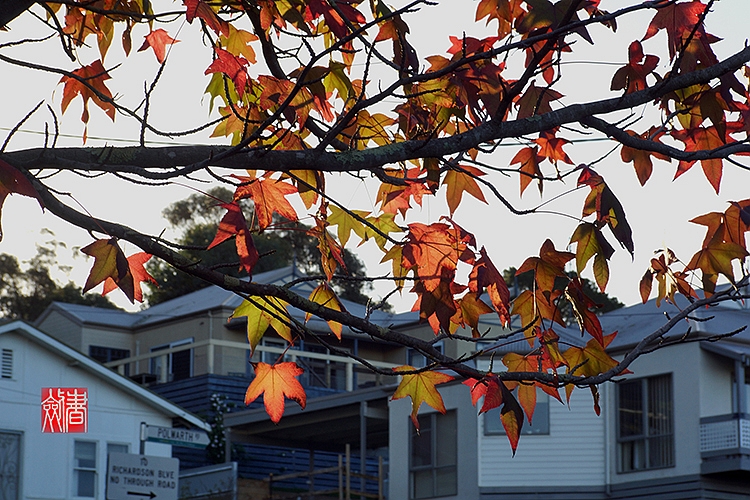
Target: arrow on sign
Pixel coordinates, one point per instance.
(150, 494)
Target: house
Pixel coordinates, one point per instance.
(677, 427)
(36, 459)
(187, 349)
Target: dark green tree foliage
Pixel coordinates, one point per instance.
(26, 291)
(198, 216)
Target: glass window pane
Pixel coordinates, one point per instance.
(421, 444)
(632, 455)
(659, 406)
(85, 455)
(86, 483)
(630, 408)
(446, 482)
(446, 439)
(117, 448)
(422, 484)
(660, 451)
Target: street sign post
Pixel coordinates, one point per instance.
(139, 477)
(175, 437)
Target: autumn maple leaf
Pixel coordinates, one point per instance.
(641, 158)
(632, 76)
(233, 224)
(88, 82)
(529, 159)
(484, 275)
(702, 139)
(262, 313)
(268, 196)
(459, 181)
(158, 41)
(420, 387)
(324, 296)
(276, 382)
(678, 19)
(140, 275)
(549, 265)
(203, 11)
(109, 262)
(234, 67)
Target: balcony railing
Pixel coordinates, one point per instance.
(725, 443)
(304, 357)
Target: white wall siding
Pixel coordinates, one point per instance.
(715, 384)
(571, 455)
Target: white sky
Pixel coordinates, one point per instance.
(658, 213)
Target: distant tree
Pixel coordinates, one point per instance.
(198, 216)
(26, 291)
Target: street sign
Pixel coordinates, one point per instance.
(139, 477)
(177, 437)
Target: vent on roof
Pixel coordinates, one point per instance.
(6, 368)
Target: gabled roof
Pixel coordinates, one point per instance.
(98, 370)
(212, 298)
(635, 322)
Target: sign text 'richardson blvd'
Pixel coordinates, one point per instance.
(177, 437)
(132, 477)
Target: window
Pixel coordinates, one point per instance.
(179, 364)
(10, 464)
(645, 430)
(84, 469)
(539, 423)
(433, 456)
(6, 365)
(417, 359)
(117, 448)
(107, 354)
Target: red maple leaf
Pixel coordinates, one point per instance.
(232, 66)
(200, 9)
(158, 41)
(233, 224)
(678, 19)
(632, 76)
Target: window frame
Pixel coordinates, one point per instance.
(646, 437)
(540, 422)
(155, 362)
(435, 453)
(6, 363)
(78, 469)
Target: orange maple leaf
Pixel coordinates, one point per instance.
(89, 84)
(276, 382)
(420, 387)
(460, 181)
(268, 195)
(529, 159)
(549, 265)
(642, 159)
(702, 139)
(109, 262)
(432, 249)
(158, 41)
(331, 253)
(140, 275)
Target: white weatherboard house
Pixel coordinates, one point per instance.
(36, 465)
(676, 428)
